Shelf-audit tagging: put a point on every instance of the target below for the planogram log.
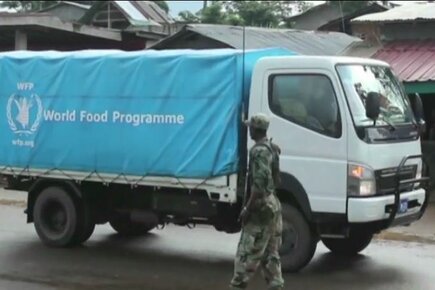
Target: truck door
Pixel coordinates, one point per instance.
(308, 122)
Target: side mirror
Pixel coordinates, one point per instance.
(419, 113)
(418, 108)
(373, 106)
(422, 127)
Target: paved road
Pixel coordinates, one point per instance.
(182, 259)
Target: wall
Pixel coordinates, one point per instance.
(369, 32)
(375, 32)
(408, 31)
(66, 41)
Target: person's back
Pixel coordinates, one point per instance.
(261, 217)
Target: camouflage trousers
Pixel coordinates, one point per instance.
(258, 247)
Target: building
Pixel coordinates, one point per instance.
(40, 31)
(404, 38)
(327, 17)
(125, 25)
(67, 11)
(205, 36)
(141, 18)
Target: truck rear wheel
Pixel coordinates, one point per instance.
(125, 227)
(351, 246)
(56, 217)
(298, 241)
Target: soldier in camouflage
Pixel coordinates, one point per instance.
(261, 218)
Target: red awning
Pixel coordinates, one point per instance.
(412, 61)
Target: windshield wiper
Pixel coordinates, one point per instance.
(392, 127)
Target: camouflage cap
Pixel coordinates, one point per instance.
(259, 121)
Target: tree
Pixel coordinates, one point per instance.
(260, 13)
(351, 6)
(234, 19)
(304, 6)
(213, 14)
(249, 13)
(189, 17)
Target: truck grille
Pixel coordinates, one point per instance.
(386, 179)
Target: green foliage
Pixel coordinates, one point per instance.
(213, 14)
(189, 17)
(351, 6)
(249, 13)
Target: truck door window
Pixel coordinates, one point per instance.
(307, 100)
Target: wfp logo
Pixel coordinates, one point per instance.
(24, 114)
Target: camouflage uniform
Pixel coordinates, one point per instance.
(260, 240)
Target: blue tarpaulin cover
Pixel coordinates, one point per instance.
(148, 113)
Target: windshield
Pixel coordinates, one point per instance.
(360, 80)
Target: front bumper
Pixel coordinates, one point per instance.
(364, 210)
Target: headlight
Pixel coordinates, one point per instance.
(360, 181)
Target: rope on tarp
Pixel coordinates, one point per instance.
(27, 172)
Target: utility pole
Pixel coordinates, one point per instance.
(204, 4)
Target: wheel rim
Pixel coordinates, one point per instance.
(289, 238)
(54, 217)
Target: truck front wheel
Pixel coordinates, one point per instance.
(87, 223)
(298, 240)
(56, 217)
(350, 246)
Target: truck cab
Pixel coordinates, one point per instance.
(348, 175)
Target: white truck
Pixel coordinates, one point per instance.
(351, 163)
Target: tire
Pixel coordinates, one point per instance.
(85, 234)
(56, 217)
(124, 227)
(298, 240)
(87, 224)
(351, 246)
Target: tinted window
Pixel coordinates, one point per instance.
(307, 100)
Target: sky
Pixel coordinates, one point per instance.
(176, 7)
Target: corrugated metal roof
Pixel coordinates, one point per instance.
(412, 61)
(300, 41)
(83, 6)
(138, 13)
(326, 13)
(78, 5)
(132, 12)
(410, 12)
(153, 11)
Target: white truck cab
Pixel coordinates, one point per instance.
(351, 176)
